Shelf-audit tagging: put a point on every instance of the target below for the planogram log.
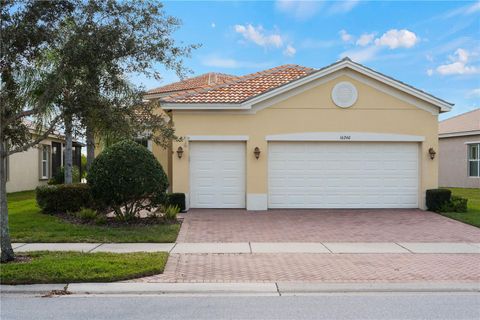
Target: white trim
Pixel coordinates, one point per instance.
(217, 138)
(471, 142)
(459, 134)
(344, 137)
(150, 145)
(442, 105)
(187, 201)
(45, 151)
(394, 93)
(257, 201)
(205, 106)
(298, 90)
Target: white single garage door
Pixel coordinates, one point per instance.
(343, 175)
(217, 174)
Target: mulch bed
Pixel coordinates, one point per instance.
(114, 222)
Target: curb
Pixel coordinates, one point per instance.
(268, 288)
(291, 288)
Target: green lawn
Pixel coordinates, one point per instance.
(68, 266)
(28, 224)
(473, 215)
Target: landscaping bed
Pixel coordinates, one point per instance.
(68, 267)
(472, 216)
(29, 224)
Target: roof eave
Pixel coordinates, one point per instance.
(205, 106)
(443, 106)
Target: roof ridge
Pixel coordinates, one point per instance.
(461, 114)
(188, 93)
(192, 78)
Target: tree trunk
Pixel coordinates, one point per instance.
(90, 146)
(68, 149)
(5, 242)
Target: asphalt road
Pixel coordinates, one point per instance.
(327, 306)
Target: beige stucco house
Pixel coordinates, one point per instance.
(459, 158)
(344, 136)
(34, 167)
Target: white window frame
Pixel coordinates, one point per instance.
(469, 160)
(46, 161)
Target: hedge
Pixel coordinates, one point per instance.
(436, 198)
(64, 197)
(456, 204)
(176, 199)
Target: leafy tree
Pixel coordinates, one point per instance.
(65, 63)
(105, 41)
(27, 89)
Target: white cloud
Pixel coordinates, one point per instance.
(289, 51)
(258, 35)
(301, 10)
(465, 10)
(229, 63)
(430, 72)
(475, 93)
(345, 36)
(458, 65)
(365, 39)
(397, 39)
(213, 25)
(361, 55)
(343, 6)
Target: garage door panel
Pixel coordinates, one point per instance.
(337, 175)
(217, 175)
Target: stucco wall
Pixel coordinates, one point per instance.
(453, 165)
(310, 111)
(24, 170)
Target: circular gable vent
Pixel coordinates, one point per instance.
(344, 94)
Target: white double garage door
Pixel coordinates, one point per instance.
(309, 174)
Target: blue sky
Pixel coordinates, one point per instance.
(434, 46)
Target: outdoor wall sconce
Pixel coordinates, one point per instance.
(180, 152)
(432, 153)
(256, 152)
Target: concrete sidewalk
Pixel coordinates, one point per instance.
(261, 247)
(264, 288)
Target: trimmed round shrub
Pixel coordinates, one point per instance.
(127, 178)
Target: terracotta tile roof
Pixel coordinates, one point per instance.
(201, 81)
(243, 88)
(468, 121)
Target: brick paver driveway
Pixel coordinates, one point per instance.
(384, 225)
(321, 226)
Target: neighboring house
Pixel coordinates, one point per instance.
(459, 157)
(344, 136)
(34, 167)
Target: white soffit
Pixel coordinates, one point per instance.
(344, 136)
(217, 138)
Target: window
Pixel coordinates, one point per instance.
(147, 143)
(474, 160)
(45, 162)
(142, 141)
